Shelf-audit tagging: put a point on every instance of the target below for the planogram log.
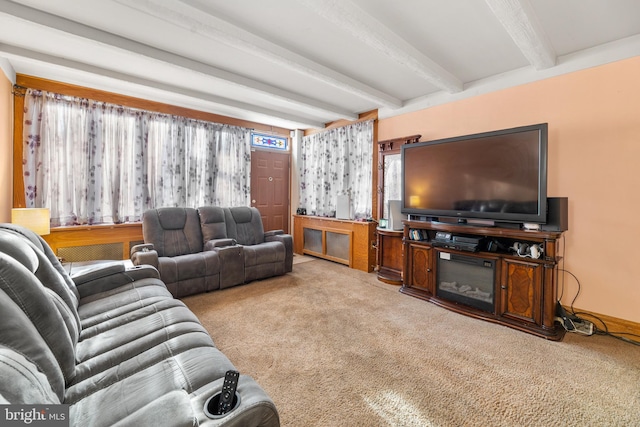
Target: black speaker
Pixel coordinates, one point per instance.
(557, 214)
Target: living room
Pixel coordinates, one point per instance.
(593, 147)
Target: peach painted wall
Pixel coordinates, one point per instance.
(594, 159)
(6, 147)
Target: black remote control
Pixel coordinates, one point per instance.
(228, 391)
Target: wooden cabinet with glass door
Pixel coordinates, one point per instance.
(390, 259)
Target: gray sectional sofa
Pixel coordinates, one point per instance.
(111, 343)
(209, 248)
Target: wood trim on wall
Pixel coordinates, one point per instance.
(613, 325)
(143, 104)
(6, 143)
(18, 182)
(362, 117)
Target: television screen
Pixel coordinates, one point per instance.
(499, 176)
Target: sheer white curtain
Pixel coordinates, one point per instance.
(94, 162)
(337, 162)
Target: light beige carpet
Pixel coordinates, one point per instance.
(334, 346)
(297, 259)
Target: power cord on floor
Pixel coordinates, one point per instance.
(574, 321)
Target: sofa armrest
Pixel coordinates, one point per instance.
(272, 233)
(144, 254)
(143, 247)
(277, 236)
(255, 409)
(103, 277)
(218, 243)
(287, 241)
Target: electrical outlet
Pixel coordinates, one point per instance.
(582, 326)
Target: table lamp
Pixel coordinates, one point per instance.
(35, 219)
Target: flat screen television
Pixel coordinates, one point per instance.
(498, 176)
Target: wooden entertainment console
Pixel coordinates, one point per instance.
(524, 291)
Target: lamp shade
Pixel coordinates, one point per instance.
(35, 219)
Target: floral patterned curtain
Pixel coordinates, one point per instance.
(92, 162)
(337, 162)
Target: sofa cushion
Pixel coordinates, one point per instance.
(117, 397)
(138, 330)
(173, 231)
(102, 374)
(264, 260)
(264, 253)
(244, 224)
(14, 246)
(20, 335)
(202, 269)
(121, 351)
(45, 311)
(122, 315)
(42, 246)
(22, 249)
(22, 382)
(106, 305)
(212, 223)
(174, 406)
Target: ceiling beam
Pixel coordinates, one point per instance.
(114, 41)
(521, 22)
(190, 16)
(229, 104)
(347, 16)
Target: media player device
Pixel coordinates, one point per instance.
(461, 243)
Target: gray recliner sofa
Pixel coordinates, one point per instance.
(211, 247)
(111, 343)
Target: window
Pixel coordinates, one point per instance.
(93, 162)
(334, 163)
(269, 141)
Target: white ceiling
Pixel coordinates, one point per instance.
(303, 63)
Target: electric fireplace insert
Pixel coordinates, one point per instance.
(467, 280)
